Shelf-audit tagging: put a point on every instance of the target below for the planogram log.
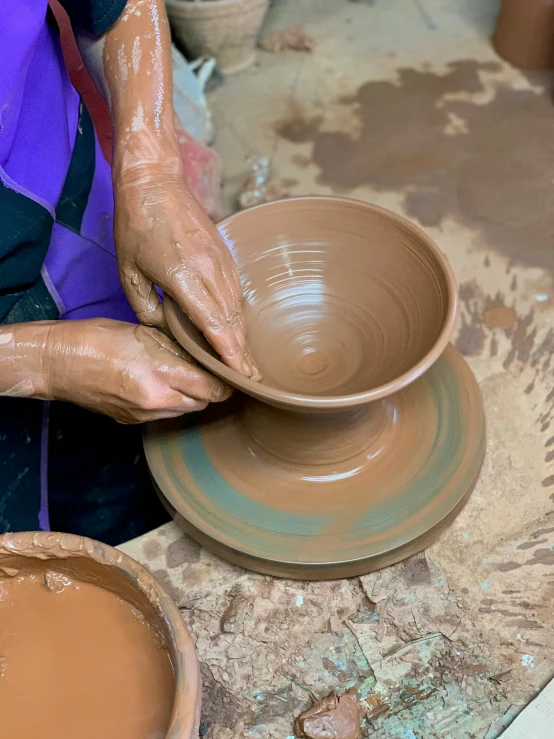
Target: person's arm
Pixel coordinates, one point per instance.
(21, 373)
(163, 238)
(131, 373)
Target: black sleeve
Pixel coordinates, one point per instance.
(93, 16)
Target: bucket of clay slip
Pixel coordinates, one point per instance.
(92, 642)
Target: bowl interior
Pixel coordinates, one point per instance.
(341, 298)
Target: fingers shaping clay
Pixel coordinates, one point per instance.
(366, 434)
(90, 645)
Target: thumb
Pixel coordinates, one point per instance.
(144, 299)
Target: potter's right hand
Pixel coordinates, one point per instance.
(131, 373)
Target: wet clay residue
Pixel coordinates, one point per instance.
(488, 166)
(77, 661)
(331, 718)
(499, 317)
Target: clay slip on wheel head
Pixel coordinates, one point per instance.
(344, 302)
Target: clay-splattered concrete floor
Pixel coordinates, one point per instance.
(405, 104)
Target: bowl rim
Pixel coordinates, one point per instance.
(330, 402)
(51, 545)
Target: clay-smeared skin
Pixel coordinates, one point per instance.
(131, 373)
(76, 662)
(524, 33)
(162, 235)
(366, 435)
(120, 584)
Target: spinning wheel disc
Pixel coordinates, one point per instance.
(323, 522)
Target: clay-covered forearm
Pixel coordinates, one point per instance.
(131, 67)
(138, 72)
(24, 359)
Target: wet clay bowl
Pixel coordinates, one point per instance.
(345, 303)
(366, 434)
(68, 558)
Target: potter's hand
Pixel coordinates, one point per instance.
(131, 373)
(164, 239)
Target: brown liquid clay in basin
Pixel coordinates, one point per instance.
(366, 433)
(88, 645)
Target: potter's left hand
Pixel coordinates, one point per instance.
(164, 239)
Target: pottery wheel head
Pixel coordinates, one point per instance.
(345, 302)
